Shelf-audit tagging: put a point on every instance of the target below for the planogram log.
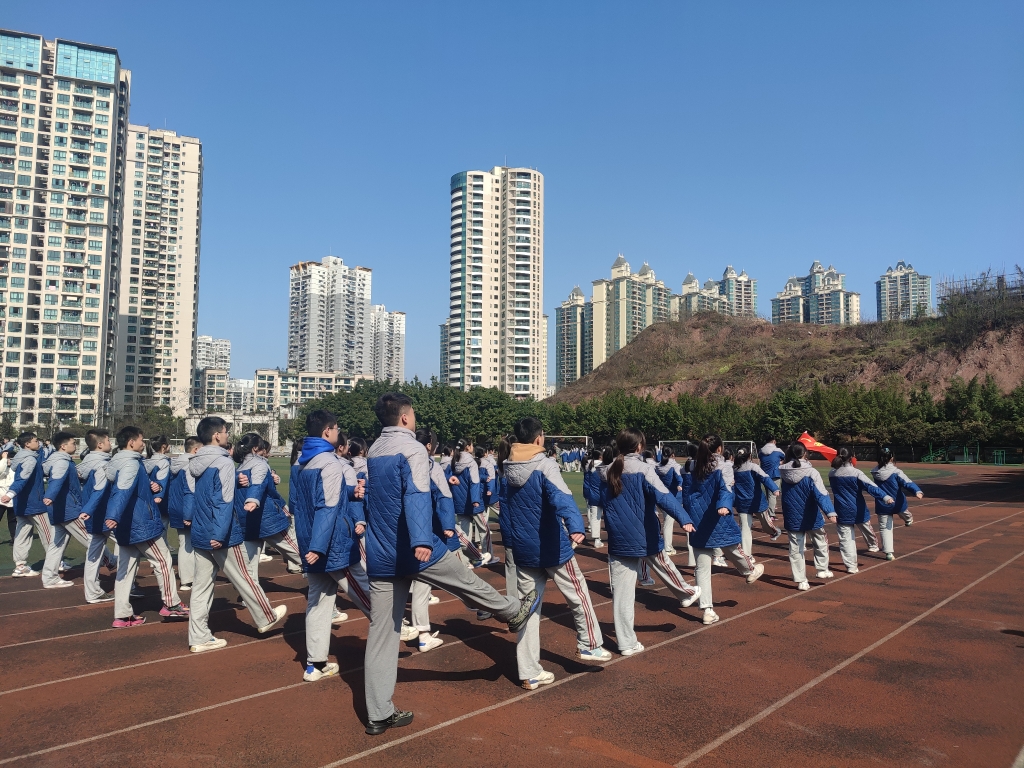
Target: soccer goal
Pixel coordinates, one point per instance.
(679, 447)
(563, 441)
(734, 445)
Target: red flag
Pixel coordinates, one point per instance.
(813, 445)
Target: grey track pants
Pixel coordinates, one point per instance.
(848, 541)
(61, 535)
(284, 542)
(594, 515)
(667, 527)
(128, 557)
(186, 556)
(702, 573)
(233, 562)
(884, 527)
(573, 585)
(624, 573)
(797, 540)
(93, 560)
(320, 602)
(23, 536)
(387, 607)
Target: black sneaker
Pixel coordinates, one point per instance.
(397, 720)
(528, 607)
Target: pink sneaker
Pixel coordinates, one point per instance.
(131, 621)
(178, 611)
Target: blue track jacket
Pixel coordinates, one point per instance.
(213, 510)
(131, 500)
(803, 497)
(631, 517)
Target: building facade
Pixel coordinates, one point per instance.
(495, 330)
(740, 292)
(239, 395)
(823, 300)
(788, 304)
(63, 131)
(213, 353)
(624, 305)
(277, 389)
(329, 317)
(158, 300)
(210, 390)
(388, 344)
(694, 299)
(574, 342)
(903, 293)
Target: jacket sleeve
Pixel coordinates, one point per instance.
(824, 500)
(867, 484)
(162, 477)
(561, 498)
(906, 482)
(475, 492)
(98, 484)
(25, 470)
(58, 477)
(766, 481)
(257, 474)
(664, 499)
(415, 489)
(325, 517)
(123, 481)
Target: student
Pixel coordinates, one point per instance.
(401, 545)
(6, 477)
(543, 523)
(670, 472)
(467, 494)
(158, 468)
(803, 500)
(260, 507)
(634, 533)
(848, 485)
(328, 522)
(218, 540)
(592, 482)
(135, 521)
(691, 455)
(92, 473)
(63, 500)
(489, 496)
(293, 565)
(894, 482)
(771, 458)
(354, 457)
(753, 488)
(445, 459)
(26, 496)
(180, 503)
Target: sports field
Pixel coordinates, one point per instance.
(919, 661)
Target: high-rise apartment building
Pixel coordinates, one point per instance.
(387, 330)
(63, 123)
(574, 342)
(823, 299)
(158, 301)
(624, 306)
(277, 389)
(788, 304)
(213, 353)
(329, 317)
(740, 292)
(903, 293)
(495, 333)
(735, 294)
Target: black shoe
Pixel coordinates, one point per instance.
(528, 607)
(397, 720)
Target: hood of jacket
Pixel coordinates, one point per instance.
(204, 459)
(465, 461)
(518, 472)
(92, 460)
(668, 466)
(180, 461)
(120, 460)
(24, 453)
(881, 474)
(794, 475)
(311, 446)
(55, 458)
(747, 466)
(156, 460)
(524, 451)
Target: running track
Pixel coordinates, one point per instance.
(914, 662)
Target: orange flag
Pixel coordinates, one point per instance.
(813, 445)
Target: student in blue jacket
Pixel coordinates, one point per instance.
(634, 533)
(467, 495)
(803, 500)
(753, 489)
(848, 485)
(180, 501)
(543, 524)
(26, 497)
(402, 545)
(92, 474)
(709, 501)
(671, 475)
(218, 540)
(593, 484)
(135, 521)
(771, 457)
(158, 467)
(63, 501)
(893, 481)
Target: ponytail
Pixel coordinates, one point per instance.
(704, 463)
(503, 452)
(666, 454)
(742, 456)
(797, 452)
(629, 440)
(842, 458)
(884, 457)
(154, 444)
(248, 443)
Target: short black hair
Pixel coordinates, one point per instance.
(191, 442)
(62, 437)
(528, 429)
(319, 420)
(93, 437)
(209, 427)
(389, 408)
(126, 435)
(25, 438)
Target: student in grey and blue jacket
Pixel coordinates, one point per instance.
(771, 457)
(753, 490)
(848, 486)
(893, 481)
(803, 499)
(63, 500)
(25, 495)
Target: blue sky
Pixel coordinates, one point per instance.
(688, 135)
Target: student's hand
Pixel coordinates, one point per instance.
(5, 500)
(312, 557)
(215, 544)
(187, 522)
(476, 504)
(157, 499)
(689, 528)
(577, 538)
(277, 477)
(47, 502)
(243, 480)
(831, 518)
(453, 481)
(422, 554)
(775, 493)
(359, 492)
(154, 487)
(724, 511)
(251, 505)
(888, 501)
(83, 516)
(111, 525)
(449, 534)
(360, 529)
(920, 494)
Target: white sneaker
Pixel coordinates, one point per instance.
(434, 600)
(312, 674)
(265, 558)
(670, 551)
(853, 569)
(824, 574)
(720, 562)
(542, 679)
(184, 587)
(755, 574)
(429, 641)
(598, 544)
(648, 582)
(59, 584)
(710, 617)
(209, 645)
(339, 617)
(22, 571)
(638, 648)
(409, 632)
(686, 602)
(485, 558)
(803, 586)
(279, 613)
(872, 549)
(63, 567)
(594, 654)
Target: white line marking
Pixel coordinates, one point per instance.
(1019, 762)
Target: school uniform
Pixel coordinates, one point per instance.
(139, 531)
(634, 535)
(326, 514)
(355, 470)
(92, 474)
(26, 494)
(400, 519)
(753, 489)
(671, 475)
(592, 492)
(64, 491)
(267, 523)
(714, 532)
(803, 500)
(443, 520)
(6, 476)
(158, 467)
(214, 519)
(538, 515)
(771, 459)
(180, 501)
(895, 483)
(468, 498)
(848, 486)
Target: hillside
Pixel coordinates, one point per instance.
(749, 359)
